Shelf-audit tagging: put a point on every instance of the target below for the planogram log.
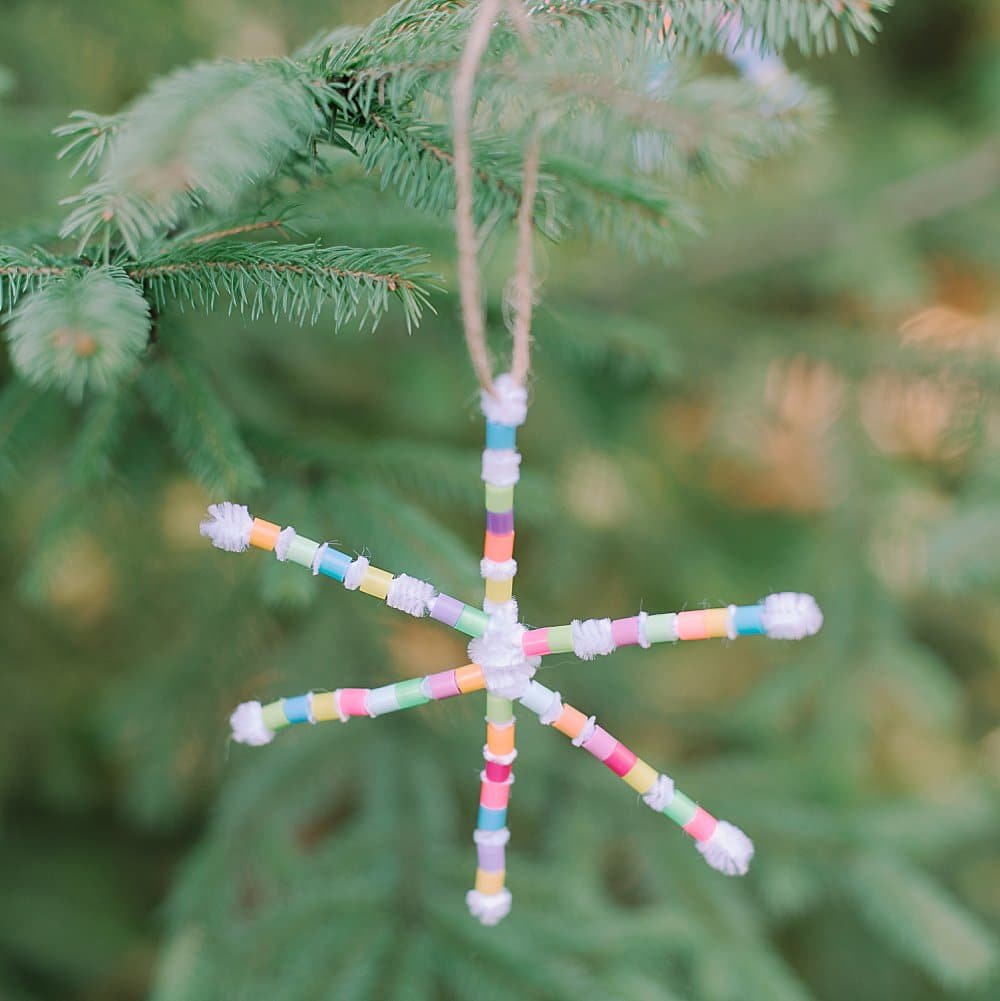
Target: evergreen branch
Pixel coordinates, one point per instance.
(289, 280)
(21, 272)
(90, 135)
(250, 227)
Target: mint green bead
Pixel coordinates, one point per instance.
(560, 639)
(661, 628)
(409, 693)
(274, 715)
(498, 710)
(680, 809)
(302, 551)
(472, 621)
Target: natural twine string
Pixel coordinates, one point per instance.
(470, 296)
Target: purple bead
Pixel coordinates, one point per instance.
(446, 610)
(491, 857)
(501, 523)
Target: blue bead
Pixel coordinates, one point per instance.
(747, 621)
(334, 563)
(297, 709)
(500, 435)
(491, 820)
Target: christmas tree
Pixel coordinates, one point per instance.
(249, 292)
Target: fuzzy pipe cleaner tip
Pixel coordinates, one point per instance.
(728, 850)
(791, 616)
(489, 908)
(248, 725)
(228, 525)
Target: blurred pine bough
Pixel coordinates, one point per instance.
(717, 427)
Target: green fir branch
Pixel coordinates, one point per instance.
(291, 280)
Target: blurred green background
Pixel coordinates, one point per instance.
(805, 399)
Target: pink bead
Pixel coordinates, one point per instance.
(691, 626)
(352, 701)
(443, 685)
(496, 772)
(701, 826)
(536, 643)
(494, 795)
(626, 631)
(621, 760)
(601, 744)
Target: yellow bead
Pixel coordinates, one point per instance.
(490, 882)
(499, 591)
(324, 706)
(376, 582)
(641, 776)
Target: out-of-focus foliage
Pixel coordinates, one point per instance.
(806, 398)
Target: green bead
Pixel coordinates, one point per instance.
(499, 499)
(274, 715)
(661, 628)
(409, 694)
(498, 710)
(680, 809)
(302, 551)
(472, 621)
(560, 639)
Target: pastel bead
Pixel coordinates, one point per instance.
(499, 709)
(324, 706)
(333, 563)
(701, 826)
(642, 776)
(717, 622)
(489, 882)
(500, 739)
(535, 642)
(491, 820)
(600, 744)
(500, 435)
(499, 591)
(499, 548)
(495, 795)
(472, 621)
(264, 534)
(383, 700)
(446, 609)
(376, 582)
(680, 809)
(747, 621)
(470, 678)
(499, 498)
(621, 760)
(561, 639)
(297, 709)
(661, 628)
(500, 522)
(302, 551)
(626, 631)
(496, 772)
(443, 685)
(410, 693)
(274, 715)
(537, 698)
(352, 701)
(571, 722)
(491, 857)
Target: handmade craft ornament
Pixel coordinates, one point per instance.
(505, 655)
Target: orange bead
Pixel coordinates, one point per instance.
(499, 548)
(717, 622)
(499, 739)
(470, 678)
(263, 534)
(571, 722)
(489, 882)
